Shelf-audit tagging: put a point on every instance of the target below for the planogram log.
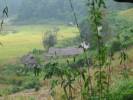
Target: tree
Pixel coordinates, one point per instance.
(50, 39)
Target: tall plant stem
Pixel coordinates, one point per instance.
(65, 90)
(99, 58)
(89, 75)
(108, 77)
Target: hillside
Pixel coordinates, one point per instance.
(28, 37)
(128, 14)
(44, 92)
(104, 70)
(32, 11)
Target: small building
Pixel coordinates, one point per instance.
(31, 63)
(63, 52)
(29, 60)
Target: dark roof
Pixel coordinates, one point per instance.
(69, 51)
(29, 60)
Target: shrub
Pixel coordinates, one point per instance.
(37, 51)
(33, 83)
(49, 39)
(15, 89)
(85, 30)
(87, 34)
(37, 87)
(116, 46)
(123, 90)
(16, 82)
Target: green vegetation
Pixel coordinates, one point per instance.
(124, 90)
(29, 37)
(17, 79)
(50, 38)
(127, 14)
(102, 72)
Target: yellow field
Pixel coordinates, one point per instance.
(128, 14)
(27, 38)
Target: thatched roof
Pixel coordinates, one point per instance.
(29, 60)
(69, 51)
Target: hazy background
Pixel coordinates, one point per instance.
(50, 11)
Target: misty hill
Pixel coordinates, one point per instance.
(42, 11)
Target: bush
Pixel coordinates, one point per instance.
(123, 90)
(50, 39)
(15, 89)
(120, 42)
(85, 30)
(33, 83)
(116, 46)
(87, 34)
(37, 51)
(16, 82)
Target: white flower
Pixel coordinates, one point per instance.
(99, 29)
(84, 45)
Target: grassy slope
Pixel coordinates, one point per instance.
(128, 14)
(44, 93)
(27, 38)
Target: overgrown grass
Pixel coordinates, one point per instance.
(28, 38)
(14, 79)
(123, 90)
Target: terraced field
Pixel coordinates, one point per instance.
(27, 38)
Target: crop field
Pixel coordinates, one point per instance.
(27, 38)
(66, 50)
(128, 14)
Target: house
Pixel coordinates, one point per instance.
(29, 60)
(69, 51)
